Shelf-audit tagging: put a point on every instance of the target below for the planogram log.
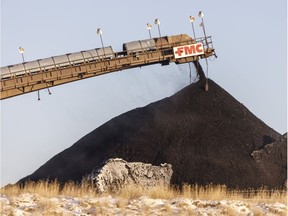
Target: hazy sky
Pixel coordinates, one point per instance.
(250, 38)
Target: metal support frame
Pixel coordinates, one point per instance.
(58, 76)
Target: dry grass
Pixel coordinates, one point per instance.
(41, 188)
(129, 200)
(52, 189)
(219, 192)
(158, 192)
(210, 192)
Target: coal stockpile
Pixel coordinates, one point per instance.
(208, 137)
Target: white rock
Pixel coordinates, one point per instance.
(115, 173)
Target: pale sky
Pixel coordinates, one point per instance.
(250, 38)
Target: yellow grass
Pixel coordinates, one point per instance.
(48, 199)
(210, 192)
(218, 192)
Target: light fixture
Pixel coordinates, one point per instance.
(157, 22)
(21, 51)
(192, 19)
(99, 31)
(201, 14)
(149, 27)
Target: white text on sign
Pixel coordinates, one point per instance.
(188, 50)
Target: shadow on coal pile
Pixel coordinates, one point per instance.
(208, 137)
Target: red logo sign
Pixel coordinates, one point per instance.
(188, 50)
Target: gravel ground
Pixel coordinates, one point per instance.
(33, 204)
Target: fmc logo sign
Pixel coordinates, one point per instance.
(188, 50)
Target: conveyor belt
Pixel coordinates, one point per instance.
(29, 82)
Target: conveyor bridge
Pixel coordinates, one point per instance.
(163, 53)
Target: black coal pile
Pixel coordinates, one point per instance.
(208, 137)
